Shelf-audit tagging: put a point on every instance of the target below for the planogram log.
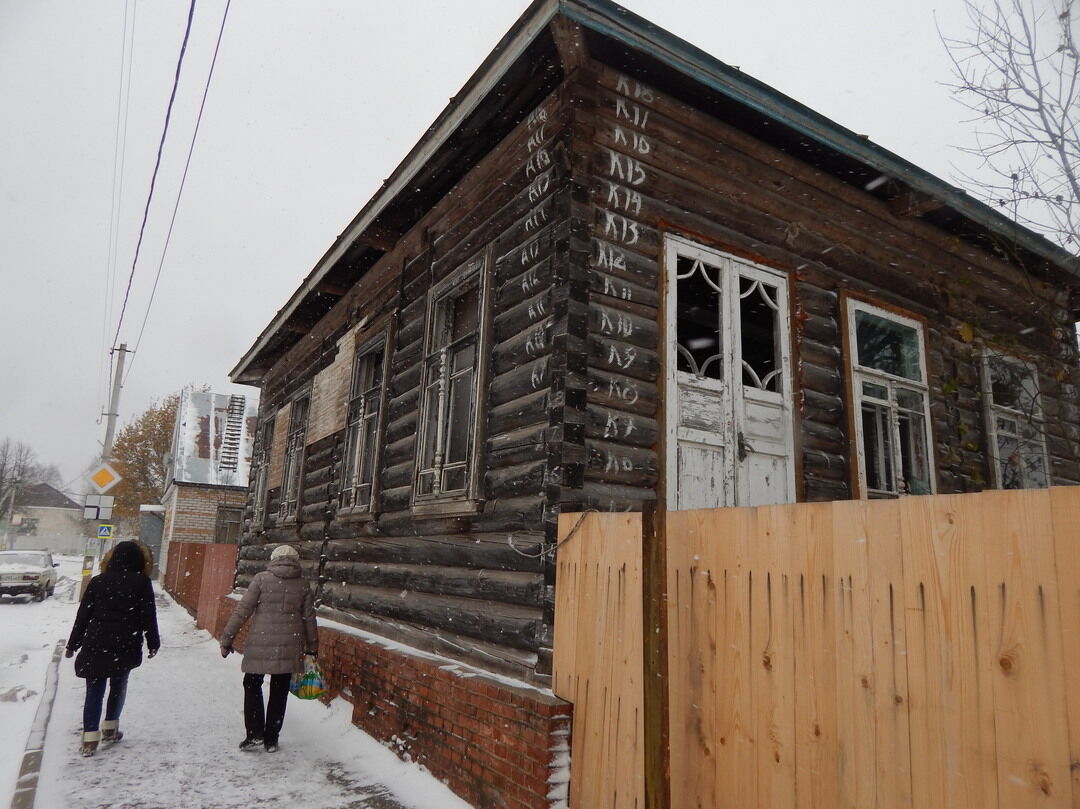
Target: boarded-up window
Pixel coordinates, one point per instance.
(229, 525)
(362, 431)
(292, 475)
(277, 447)
(330, 393)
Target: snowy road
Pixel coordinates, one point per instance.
(182, 722)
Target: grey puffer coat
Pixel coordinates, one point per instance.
(282, 613)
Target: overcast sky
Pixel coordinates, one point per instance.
(312, 105)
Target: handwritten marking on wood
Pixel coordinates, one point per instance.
(538, 375)
(621, 228)
(619, 426)
(634, 89)
(624, 199)
(610, 257)
(616, 290)
(635, 140)
(616, 324)
(627, 169)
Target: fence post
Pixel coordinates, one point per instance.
(657, 753)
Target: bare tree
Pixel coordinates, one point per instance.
(19, 467)
(1017, 68)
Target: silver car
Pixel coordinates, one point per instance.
(23, 572)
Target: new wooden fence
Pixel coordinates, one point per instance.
(920, 653)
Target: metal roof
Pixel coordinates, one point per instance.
(637, 46)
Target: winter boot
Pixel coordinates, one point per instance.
(251, 742)
(90, 739)
(110, 732)
(271, 745)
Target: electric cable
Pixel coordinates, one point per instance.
(157, 165)
(180, 190)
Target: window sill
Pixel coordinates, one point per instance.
(355, 514)
(448, 508)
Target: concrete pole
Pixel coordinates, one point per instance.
(114, 405)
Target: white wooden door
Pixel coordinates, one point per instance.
(728, 386)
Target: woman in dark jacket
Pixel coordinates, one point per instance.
(117, 610)
(283, 629)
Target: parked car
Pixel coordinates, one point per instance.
(23, 572)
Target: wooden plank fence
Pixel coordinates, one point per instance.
(917, 653)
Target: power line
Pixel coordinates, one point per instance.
(123, 107)
(157, 165)
(180, 191)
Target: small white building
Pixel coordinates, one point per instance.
(46, 519)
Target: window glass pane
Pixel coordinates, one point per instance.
(1006, 425)
(697, 319)
(1012, 386)
(465, 313)
(758, 326)
(888, 346)
(913, 453)
(431, 414)
(877, 391)
(367, 458)
(1034, 466)
(877, 448)
(425, 482)
(459, 428)
(454, 479)
(909, 399)
(1009, 463)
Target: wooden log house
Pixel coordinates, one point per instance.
(616, 267)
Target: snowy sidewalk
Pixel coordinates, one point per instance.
(182, 723)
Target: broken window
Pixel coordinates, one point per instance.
(294, 459)
(229, 526)
(891, 402)
(1014, 422)
(261, 464)
(450, 416)
(362, 429)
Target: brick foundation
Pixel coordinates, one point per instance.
(496, 744)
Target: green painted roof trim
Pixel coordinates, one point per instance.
(613, 21)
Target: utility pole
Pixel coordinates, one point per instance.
(94, 546)
(114, 405)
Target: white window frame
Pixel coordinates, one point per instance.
(436, 360)
(993, 411)
(292, 476)
(858, 374)
(262, 472)
(367, 404)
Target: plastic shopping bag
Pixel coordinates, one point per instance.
(310, 683)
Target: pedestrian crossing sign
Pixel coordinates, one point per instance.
(104, 532)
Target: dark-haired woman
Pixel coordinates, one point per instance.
(116, 613)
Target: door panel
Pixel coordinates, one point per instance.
(728, 388)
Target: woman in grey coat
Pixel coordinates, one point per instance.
(282, 612)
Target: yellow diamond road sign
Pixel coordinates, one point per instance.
(104, 478)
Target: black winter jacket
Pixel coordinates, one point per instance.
(116, 611)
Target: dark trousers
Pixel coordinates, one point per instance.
(260, 723)
(95, 693)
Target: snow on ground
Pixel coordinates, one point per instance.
(28, 636)
(182, 723)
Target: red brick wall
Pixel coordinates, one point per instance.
(495, 744)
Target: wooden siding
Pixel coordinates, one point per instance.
(913, 653)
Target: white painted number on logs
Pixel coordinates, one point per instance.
(617, 290)
(536, 220)
(635, 140)
(618, 426)
(626, 392)
(529, 281)
(608, 256)
(621, 228)
(538, 372)
(617, 325)
(529, 253)
(539, 187)
(537, 163)
(623, 358)
(536, 341)
(635, 89)
(624, 198)
(625, 168)
(537, 310)
(617, 463)
(631, 113)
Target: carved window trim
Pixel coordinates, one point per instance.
(364, 425)
(889, 434)
(292, 476)
(436, 418)
(1022, 425)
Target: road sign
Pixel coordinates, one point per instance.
(104, 531)
(98, 506)
(104, 478)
